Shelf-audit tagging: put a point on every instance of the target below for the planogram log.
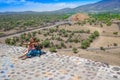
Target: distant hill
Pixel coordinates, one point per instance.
(101, 6)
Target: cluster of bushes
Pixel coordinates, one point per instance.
(86, 43)
(101, 18)
(23, 38)
(24, 21)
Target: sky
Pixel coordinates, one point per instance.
(40, 5)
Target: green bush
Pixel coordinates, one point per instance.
(46, 43)
(63, 45)
(51, 30)
(92, 36)
(34, 33)
(7, 41)
(102, 48)
(76, 40)
(88, 31)
(12, 42)
(22, 36)
(96, 33)
(115, 33)
(115, 44)
(59, 46)
(75, 50)
(52, 49)
(85, 44)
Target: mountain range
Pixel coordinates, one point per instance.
(101, 6)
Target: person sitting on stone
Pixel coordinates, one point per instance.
(33, 49)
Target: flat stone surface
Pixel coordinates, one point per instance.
(52, 66)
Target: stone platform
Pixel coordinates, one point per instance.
(52, 66)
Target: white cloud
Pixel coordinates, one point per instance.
(23, 5)
(48, 6)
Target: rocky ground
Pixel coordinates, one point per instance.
(52, 66)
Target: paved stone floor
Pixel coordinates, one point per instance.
(52, 66)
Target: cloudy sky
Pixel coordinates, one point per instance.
(40, 5)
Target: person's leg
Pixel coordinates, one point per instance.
(22, 56)
(25, 57)
(26, 51)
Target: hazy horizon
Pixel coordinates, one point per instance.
(40, 5)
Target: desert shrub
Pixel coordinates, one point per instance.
(58, 46)
(92, 36)
(37, 39)
(101, 25)
(78, 23)
(115, 33)
(51, 30)
(7, 41)
(72, 34)
(12, 42)
(45, 34)
(75, 50)
(109, 24)
(81, 31)
(76, 40)
(96, 33)
(85, 44)
(20, 44)
(52, 38)
(59, 39)
(88, 31)
(115, 44)
(1, 33)
(90, 39)
(63, 45)
(22, 36)
(46, 43)
(16, 39)
(69, 40)
(34, 33)
(63, 31)
(52, 49)
(39, 32)
(27, 38)
(65, 35)
(102, 48)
